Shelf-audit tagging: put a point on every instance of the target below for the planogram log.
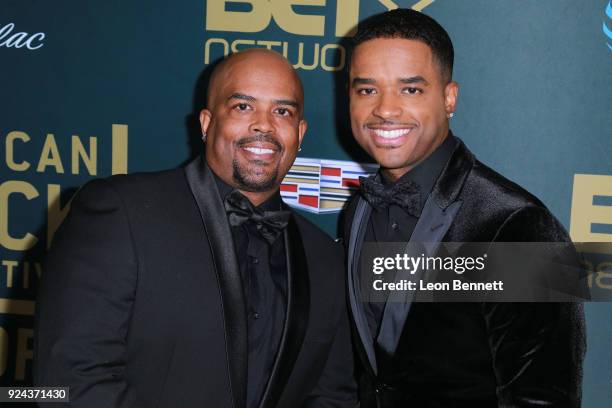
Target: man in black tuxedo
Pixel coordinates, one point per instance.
(432, 189)
(198, 287)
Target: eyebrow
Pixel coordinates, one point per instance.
(287, 102)
(414, 80)
(409, 80)
(241, 97)
(363, 81)
(249, 98)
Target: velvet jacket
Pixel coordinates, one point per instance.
(469, 354)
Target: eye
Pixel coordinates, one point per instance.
(366, 91)
(242, 107)
(412, 91)
(283, 111)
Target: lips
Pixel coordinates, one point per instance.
(259, 150)
(391, 136)
(259, 147)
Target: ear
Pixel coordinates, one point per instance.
(302, 130)
(205, 118)
(450, 96)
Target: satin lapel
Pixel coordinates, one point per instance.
(219, 236)
(430, 229)
(437, 216)
(296, 318)
(357, 235)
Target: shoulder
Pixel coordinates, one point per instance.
(132, 187)
(157, 180)
(513, 212)
(466, 178)
(495, 188)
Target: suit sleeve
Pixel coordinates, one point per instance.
(537, 348)
(85, 300)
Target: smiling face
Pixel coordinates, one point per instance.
(254, 122)
(399, 102)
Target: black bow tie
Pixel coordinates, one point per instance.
(269, 224)
(405, 194)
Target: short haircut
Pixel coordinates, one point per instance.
(410, 25)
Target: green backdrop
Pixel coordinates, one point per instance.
(90, 88)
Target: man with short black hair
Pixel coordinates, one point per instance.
(198, 287)
(431, 189)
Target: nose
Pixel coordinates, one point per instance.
(262, 123)
(388, 106)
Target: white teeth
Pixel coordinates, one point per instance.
(258, 150)
(391, 134)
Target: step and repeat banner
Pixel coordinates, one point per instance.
(95, 88)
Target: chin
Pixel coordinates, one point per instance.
(257, 186)
(391, 161)
(255, 180)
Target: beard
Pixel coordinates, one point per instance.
(249, 179)
(250, 176)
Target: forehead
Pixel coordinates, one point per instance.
(392, 56)
(262, 78)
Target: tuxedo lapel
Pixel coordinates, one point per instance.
(430, 229)
(204, 189)
(296, 318)
(358, 228)
(437, 216)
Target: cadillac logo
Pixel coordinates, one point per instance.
(322, 186)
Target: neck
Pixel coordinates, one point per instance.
(395, 174)
(258, 198)
(226, 176)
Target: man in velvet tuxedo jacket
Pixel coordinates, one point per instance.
(432, 189)
(197, 287)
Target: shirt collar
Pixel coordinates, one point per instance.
(274, 203)
(427, 172)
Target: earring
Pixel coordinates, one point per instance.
(299, 148)
(203, 136)
(450, 115)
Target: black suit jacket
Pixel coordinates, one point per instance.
(141, 303)
(469, 354)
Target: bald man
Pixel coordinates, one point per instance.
(198, 287)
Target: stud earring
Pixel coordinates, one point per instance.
(450, 115)
(203, 136)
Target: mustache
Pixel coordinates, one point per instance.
(260, 137)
